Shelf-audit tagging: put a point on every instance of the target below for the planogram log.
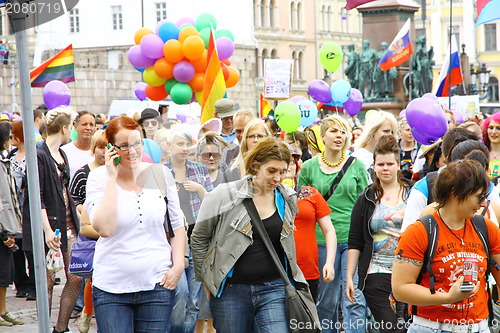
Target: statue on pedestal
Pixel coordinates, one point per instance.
(367, 58)
(352, 70)
(383, 81)
(421, 68)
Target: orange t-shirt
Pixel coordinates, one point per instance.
(312, 206)
(447, 266)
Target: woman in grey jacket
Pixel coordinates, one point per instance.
(247, 292)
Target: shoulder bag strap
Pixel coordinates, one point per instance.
(259, 227)
(159, 177)
(337, 179)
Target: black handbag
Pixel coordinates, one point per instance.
(300, 306)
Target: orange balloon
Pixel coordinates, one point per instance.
(234, 77)
(164, 69)
(173, 51)
(225, 71)
(197, 82)
(200, 64)
(141, 33)
(156, 93)
(226, 62)
(193, 47)
(186, 32)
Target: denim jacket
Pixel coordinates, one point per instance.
(223, 232)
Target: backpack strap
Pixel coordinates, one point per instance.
(159, 177)
(431, 180)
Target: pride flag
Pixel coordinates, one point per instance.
(487, 11)
(265, 107)
(214, 86)
(400, 49)
(60, 67)
(355, 3)
(450, 72)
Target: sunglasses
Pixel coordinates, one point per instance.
(206, 156)
(148, 123)
(481, 198)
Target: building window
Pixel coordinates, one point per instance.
(74, 20)
(262, 13)
(117, 17)
(294, 58)
(274, 54)
(161, 11)
(323, 18)
(329, 17)
(265, 55)
(455, 30)
(293, 15)
(1, 24)
(299, 16)
(490, 37)
(493, 89)
(300, 64)
(271, 13)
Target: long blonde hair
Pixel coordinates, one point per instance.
(243, 144)
(372, 124)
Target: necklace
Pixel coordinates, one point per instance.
(333, 164)
(494, 156)
(465, 230)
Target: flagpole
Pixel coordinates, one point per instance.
(449, 65)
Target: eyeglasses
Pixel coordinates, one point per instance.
(255, 137)
(481, 198)
(227, 118)
(11, 137)
(148, 123)
(206, 156)
(137, 145)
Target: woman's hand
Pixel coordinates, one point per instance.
(172, 277)
(10, 242)
(349, 290)
(328, 273)
(193, 187)
(109, 157)
(456, 295)
(50, 240)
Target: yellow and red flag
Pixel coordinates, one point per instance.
(214, 85)
(60, 67)
(265, 107)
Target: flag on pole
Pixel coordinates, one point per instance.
(450, 72)
(214, 86)
(487, 11)
(355, 3)
(265, 107)
(400, 49)
(60, 67)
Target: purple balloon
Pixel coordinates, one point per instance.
(56, 93)
(185, 20)
(402, 114)
(193, 98)
(183, 71)
(152, 46)
(140, 91)
(137, 59)
(297, 99)
(320, 91)
(225, 48)
(459, 116)
(181, 116)
(430, 96)
(423, 138)
(426, 116)
(354, 103)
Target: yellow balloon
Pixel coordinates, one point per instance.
(199, 97)
(151, 78)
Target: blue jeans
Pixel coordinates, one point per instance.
(330, 294)
(194, 293)
(176, 323)
(139, 312)
(258, 308)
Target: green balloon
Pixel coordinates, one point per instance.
(330, 56)
(181, 93)
(205, 35)
(74, 134)
(169, 84)
(287, 115)
(205, 21)
(224, 33)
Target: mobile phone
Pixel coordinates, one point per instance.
(466, 287)
(117, 159)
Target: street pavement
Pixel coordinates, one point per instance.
(26, 311)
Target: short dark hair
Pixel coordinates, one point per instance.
(81, 114)
(450, 181)
(38, 113)
(453, 137)
(5, 129)
(473, 150)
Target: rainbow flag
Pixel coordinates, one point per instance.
(355, 3)
(214, 86)
(487, 11)
(400, 49)
(60, 67)
(265, 107)
(450, 72)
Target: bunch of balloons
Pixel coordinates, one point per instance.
(426, 119)
(173, 59)
(56, 93)
(340, 93)
(308, 110)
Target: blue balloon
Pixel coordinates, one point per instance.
(140, 69)
(153, 150)
(341, 91)
(167, 31)
(308, 112)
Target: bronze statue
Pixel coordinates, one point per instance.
(367, 58)
(383, 81)
(352, 70)
(421, 68)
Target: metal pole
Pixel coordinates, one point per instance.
(449, 65)
(42, 300)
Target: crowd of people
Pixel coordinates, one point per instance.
(386, 232)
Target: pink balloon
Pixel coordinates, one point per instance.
(225, 48)
(137, 59)
(402, 114)
(56, 93)
(354, 103)
(297, 99)
(185, 20)
(152, 46)
(140, 91)
(430, 96)
(459, 116)
(183, 71)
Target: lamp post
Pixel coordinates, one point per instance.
(479, 80)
